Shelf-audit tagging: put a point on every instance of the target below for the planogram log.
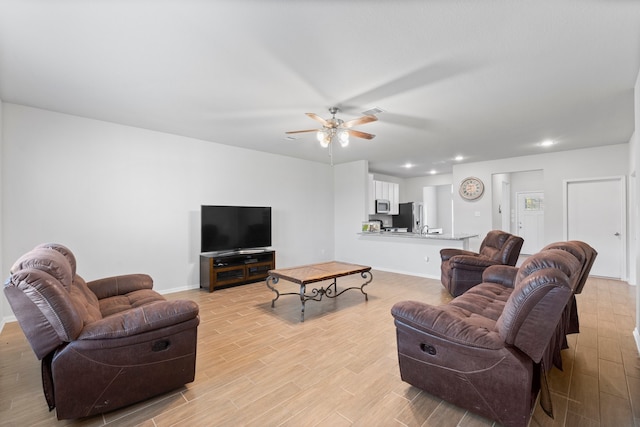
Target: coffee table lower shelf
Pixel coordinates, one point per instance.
(313, 273)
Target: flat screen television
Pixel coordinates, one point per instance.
(232, 228)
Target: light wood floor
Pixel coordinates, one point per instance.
(258, 366)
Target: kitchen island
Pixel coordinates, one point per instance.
(408, 253)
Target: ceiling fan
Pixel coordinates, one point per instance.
(335, 127)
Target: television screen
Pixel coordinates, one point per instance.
(235, 227)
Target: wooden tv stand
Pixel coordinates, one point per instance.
(235, 267)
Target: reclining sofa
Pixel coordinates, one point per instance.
(489, 349)
(103, 344)
(462, 269)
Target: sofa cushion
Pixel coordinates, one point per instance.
(551, 258)
(486, 299)
(53, 318)
(450, 323)
(493, 243)
(119, 303)
(49, 261)
(64, 251)
(85, 301)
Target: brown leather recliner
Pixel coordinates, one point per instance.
(461, 269)
(569, 323)
(103, 344)
(485, 351)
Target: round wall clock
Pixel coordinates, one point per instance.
(471, 188)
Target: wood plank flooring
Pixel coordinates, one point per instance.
(260, 366)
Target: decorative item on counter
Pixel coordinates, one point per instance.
(371, 226)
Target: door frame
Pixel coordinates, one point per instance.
(623, 213)
(505, 207)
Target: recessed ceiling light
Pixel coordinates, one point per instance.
(408, 165)
(458, 158)
(547, 143)
(433, 172)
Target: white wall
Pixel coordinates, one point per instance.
(411, 188)
(127, 200)
(475, 217)
(634, 165)
(4, 307)
(469, 217)
(445, 211)
(351, 181)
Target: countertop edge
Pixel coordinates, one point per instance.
(460, 236)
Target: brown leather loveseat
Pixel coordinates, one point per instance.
(103, 344)
(488, 350)
(461, 269)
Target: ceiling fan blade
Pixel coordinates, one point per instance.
(302, 131)
(359, 134)
(318, 118)
(360, 121)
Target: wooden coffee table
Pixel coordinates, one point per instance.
(313, 273)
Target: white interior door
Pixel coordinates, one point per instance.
(596, 214)
(530, 220)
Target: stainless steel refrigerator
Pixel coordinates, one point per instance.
(409, 217)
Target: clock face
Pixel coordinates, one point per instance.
(471, 188)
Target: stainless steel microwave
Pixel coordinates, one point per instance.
(383, 206)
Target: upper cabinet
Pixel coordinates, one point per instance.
(372, 195)
(386, 191)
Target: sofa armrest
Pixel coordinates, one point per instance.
(504, 275)
(120, 285)
(471, 262)
(447, 253)
(448, 322)
(141, 319)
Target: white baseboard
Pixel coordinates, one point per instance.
(5, 320)
(408, 273)
(636, 336)
(179, 289)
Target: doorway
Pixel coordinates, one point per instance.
(595, 212)
(530, 220)
(505, 189)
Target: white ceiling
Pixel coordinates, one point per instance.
(481, 79)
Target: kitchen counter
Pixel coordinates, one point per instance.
(410, 235)
(406, 252)
(458, 237)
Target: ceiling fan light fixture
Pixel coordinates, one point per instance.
(343, 135)
(337, 129)
(324, 138)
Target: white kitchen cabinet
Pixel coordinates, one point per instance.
(386, 191)
(372, 196)
(382, 190)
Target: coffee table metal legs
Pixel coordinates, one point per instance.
(316, 294)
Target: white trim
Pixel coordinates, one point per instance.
(179, 289)
(636, 336)
(5, 320)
